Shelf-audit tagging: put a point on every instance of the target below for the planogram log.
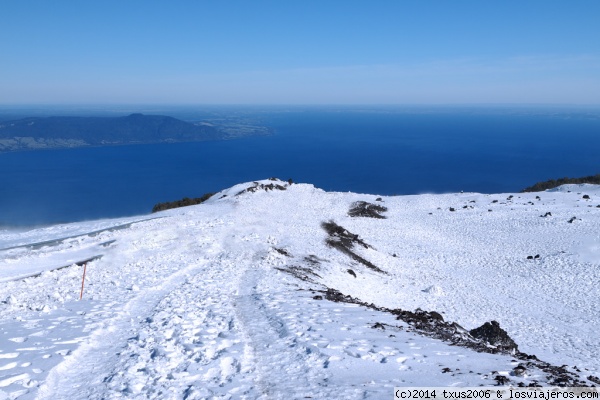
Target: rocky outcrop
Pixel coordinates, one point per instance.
(365, 209)
(492, 334)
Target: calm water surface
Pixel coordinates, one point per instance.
(383, 153)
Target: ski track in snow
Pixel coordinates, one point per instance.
(192, 305)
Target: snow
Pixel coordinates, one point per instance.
(207, 301)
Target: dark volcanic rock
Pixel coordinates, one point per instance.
(491, 333)
(419, 318)
(594, 379)
(482, 339)
(340, 234)
(364, 209)
(338, 297)
(518, 370)
(283, 252)
(502, 380)
(343, 240)
(302, 273)
(261, 186)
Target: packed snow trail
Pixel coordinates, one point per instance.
(204, 331)
(105, 344)
(225, 299)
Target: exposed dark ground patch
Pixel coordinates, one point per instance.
(266, 187)
(281, 251)
(369, 210)
(341, 235)
(343, 240)
(312, 259)
(491, 333)
(303, 273)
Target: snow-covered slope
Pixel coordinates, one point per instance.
(271, 290)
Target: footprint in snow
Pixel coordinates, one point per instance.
(351, 353)
(375, 357)
(229, 367)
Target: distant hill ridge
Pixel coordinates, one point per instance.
(553, 183)
(49, 132)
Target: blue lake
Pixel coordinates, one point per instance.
(380, 152)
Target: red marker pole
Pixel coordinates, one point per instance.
(82, 281)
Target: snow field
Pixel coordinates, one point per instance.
(198, 304)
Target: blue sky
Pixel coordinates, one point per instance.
(300, 52)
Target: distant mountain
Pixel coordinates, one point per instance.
(54, 132)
